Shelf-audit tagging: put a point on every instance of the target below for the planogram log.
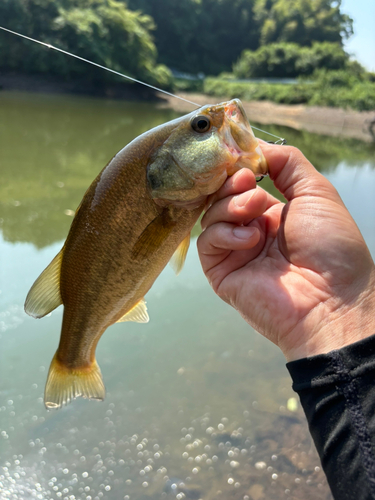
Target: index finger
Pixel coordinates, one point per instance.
(241, 181)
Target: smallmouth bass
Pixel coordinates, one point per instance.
(135, 217)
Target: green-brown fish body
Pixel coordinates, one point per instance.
(136, 214)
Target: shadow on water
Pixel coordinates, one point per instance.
(197, 402)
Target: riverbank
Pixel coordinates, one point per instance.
(50, 84)
(334, 122)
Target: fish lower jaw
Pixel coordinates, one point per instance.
(186, 204)
(191, 199)
(251, 161)
(239, 159)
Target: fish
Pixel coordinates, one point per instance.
(135, 217)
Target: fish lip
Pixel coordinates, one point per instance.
(234, 113)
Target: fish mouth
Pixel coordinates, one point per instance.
(240, 141)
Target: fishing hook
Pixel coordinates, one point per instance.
(280, 142)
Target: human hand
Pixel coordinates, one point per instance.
(300, 273)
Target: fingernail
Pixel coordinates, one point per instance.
(242, 199)
(243, 233)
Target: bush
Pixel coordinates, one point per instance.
(342, 89)
(286, 94)
(187, 85)
(335, 89)
(280, 60)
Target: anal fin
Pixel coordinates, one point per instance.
(138, 313)
(178, 258)
(44, 296)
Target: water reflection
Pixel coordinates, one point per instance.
(52, 147)
(184, 406)
(196, 402)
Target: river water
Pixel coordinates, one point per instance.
(198, 405)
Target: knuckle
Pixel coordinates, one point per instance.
(295, 154)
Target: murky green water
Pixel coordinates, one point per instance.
(196, 402)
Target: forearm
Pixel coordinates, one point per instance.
(337, 392)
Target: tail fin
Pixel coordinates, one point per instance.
(65, 384)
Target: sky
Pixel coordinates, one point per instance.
(362, 43)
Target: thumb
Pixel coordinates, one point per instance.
(294, 175)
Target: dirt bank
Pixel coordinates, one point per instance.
(319, 120)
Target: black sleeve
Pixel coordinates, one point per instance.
(337, 393)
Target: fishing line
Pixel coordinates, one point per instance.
(49, 46)
(280, 140)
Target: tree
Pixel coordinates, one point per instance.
(104, 31)
(190, 35)
(209, 35)
(302, 21)
(282, 60)
(201, 35)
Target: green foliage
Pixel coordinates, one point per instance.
(330, 88)
(302, 21)
(343, 89)
(189, 35)
(188, 85)
(201, 35)
(258, 91)
(289, 60)
(104, 31)
(208, 35)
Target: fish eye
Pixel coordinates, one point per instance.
(201, 124)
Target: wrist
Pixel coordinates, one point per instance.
(325, 331)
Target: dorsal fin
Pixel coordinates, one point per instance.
(138, 313)
(44, 296)
(178, 258)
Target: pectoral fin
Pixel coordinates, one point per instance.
(153, 236)
(44, 296)
(178, 258)
(138, 314)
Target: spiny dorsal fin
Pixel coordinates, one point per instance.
(44, 296)
(178, 258)
(138, 313)
(65, 384)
